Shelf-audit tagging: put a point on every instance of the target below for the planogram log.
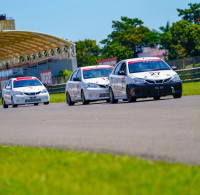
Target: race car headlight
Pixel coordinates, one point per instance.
(175, 78)
(18, 93)
(138, 81)
(92, 85)
(44, 91)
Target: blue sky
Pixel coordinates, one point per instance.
(88, 19)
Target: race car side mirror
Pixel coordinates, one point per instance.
(121, 72)
(174, 67)
(76, 79)
(8, 87)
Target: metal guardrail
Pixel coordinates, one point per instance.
(189, 75)
(56, 88)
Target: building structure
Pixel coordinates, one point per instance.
(27, 53)
(154, 52)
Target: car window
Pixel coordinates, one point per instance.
(73, 75)
(89, 73)
(79, 74)
(144, 66)
(117, 69)
(26, 83)
(10, 84)
(7, 84)
(123, 67)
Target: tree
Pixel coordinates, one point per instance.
(87, 52)
(127, 39)
(65, 73)
(192, 14)
(182, 40)
(165, 28)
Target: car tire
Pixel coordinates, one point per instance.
(36, 104)
(130, 98)
(177, 95)
(84, 101)
(46, 103)
(13, 103)
(68, 100)
(112, 97)
(4, 103)
(157, 97)
(108, 100)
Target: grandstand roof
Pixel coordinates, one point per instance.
(14, 43)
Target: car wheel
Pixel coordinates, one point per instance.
(156, 97)
(108, 100)
(112, 97)
(68, 100)
(130, 98)
(36, 104)
(4, 103)
(13, 103)
(46, 103)
(84, 101)
(177, 95)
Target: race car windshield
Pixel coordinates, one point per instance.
(26, 83)
(94, 73)
(145, 66)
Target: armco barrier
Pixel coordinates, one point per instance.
(189, 75)
(56, 88)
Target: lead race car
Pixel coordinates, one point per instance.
(88, 84)
(143, 77)
(24, 90)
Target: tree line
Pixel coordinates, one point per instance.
(129, 36)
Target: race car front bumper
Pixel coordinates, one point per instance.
(96, 93)
(151, 90)
(26, 99)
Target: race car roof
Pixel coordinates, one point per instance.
(15, 43)
(143, 59)
(96, 67)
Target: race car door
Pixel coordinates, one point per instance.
(122, 74)
(115, 80)
(7, 92)
(78, 85)
(71, 86)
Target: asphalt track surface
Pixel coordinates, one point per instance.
(168, 129)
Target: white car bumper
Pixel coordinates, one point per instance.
(96, 93)
(28, 99)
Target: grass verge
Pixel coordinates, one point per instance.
(51, 171)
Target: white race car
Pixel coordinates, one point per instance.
(24, 90)
(143, 77)
(88, 84)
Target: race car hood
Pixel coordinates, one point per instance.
(99, 80)
(154, 75)
(29, 89)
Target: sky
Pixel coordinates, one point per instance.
(77, 20)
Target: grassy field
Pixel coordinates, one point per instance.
(50, 171)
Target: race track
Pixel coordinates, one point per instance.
(168, 129)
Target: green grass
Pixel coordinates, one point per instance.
(55, 98)
(47, 171)
(191, 88)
